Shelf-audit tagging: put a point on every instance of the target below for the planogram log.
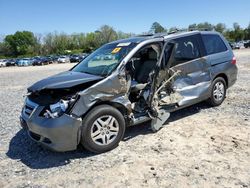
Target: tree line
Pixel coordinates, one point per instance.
(237, 33)
(26, 43)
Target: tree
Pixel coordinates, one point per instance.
(236, 26)
(238, 33)
(192, 27)
(201, 26)
(122, 35)
(48, 46)
(106, 34)
(61, 43)
(157, 28)
(220, 27)
(247, 33)
(91, 42)
(20, 43)
(205, 26)
(173, 29)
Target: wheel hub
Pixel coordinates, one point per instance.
(104, 130)
(219, 91)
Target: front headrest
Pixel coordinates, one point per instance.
(152, 55)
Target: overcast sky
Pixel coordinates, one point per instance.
(74, 16)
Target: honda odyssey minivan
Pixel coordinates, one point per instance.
(125, 83)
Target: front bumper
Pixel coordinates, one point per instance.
(59, 134)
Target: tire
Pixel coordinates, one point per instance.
(218, 92)
(98, 135)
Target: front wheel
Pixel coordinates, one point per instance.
(218, 92)
(103, 128)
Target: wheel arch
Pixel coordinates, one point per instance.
(224, 76)
(121, 108)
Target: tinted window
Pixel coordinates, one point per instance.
(186, 49)
(213, 44)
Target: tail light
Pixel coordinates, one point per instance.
(234, 60)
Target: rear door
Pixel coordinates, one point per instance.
(185, 77)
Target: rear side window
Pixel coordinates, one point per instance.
(186, 49)
(213, 44)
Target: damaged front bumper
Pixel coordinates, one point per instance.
(58, 134)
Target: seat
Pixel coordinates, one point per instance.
(148, 65)
(142, 75)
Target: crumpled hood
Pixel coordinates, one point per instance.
(63, 80)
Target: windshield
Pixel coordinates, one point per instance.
(104, 60)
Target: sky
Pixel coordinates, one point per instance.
(135, 16)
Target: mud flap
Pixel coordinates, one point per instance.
(158, 122)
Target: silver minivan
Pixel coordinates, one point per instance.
(125, 83)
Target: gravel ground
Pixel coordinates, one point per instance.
(198, 147)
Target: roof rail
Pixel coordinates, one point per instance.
(145, 35)
(201, 29)
(176, 30)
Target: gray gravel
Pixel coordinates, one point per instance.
(199, 146)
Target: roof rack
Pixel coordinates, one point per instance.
(145, 35)
(201, 29)
(178, 31)
(156, 35)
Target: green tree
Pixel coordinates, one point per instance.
(238, 33)
(61, 43)
(91, 42)
(48, 47)
(205, 26)
(21, 43)
(236, 26)
(220, 27)
(247, 33)
(157, 28)
(106, 34)
(122, 35)
(192, 27)
(173, 29)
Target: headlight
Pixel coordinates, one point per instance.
(57, 109)
(62, 105)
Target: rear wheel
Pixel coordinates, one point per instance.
(218, 92)
(103, 128)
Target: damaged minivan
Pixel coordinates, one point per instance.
(125, 83)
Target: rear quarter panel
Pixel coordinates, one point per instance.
(221, 63)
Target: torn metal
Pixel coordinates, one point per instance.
(171, 75)
(114, 88)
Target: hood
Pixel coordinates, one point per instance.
(64, 80)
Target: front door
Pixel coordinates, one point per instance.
(183, 77)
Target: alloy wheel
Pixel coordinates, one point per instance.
(104, 130)
(219, 91)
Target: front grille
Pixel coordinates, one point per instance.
(28, 110)
(29, 107)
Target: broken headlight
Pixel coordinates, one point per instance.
(57, 109)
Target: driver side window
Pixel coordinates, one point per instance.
(186, 49)
(143, 62)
